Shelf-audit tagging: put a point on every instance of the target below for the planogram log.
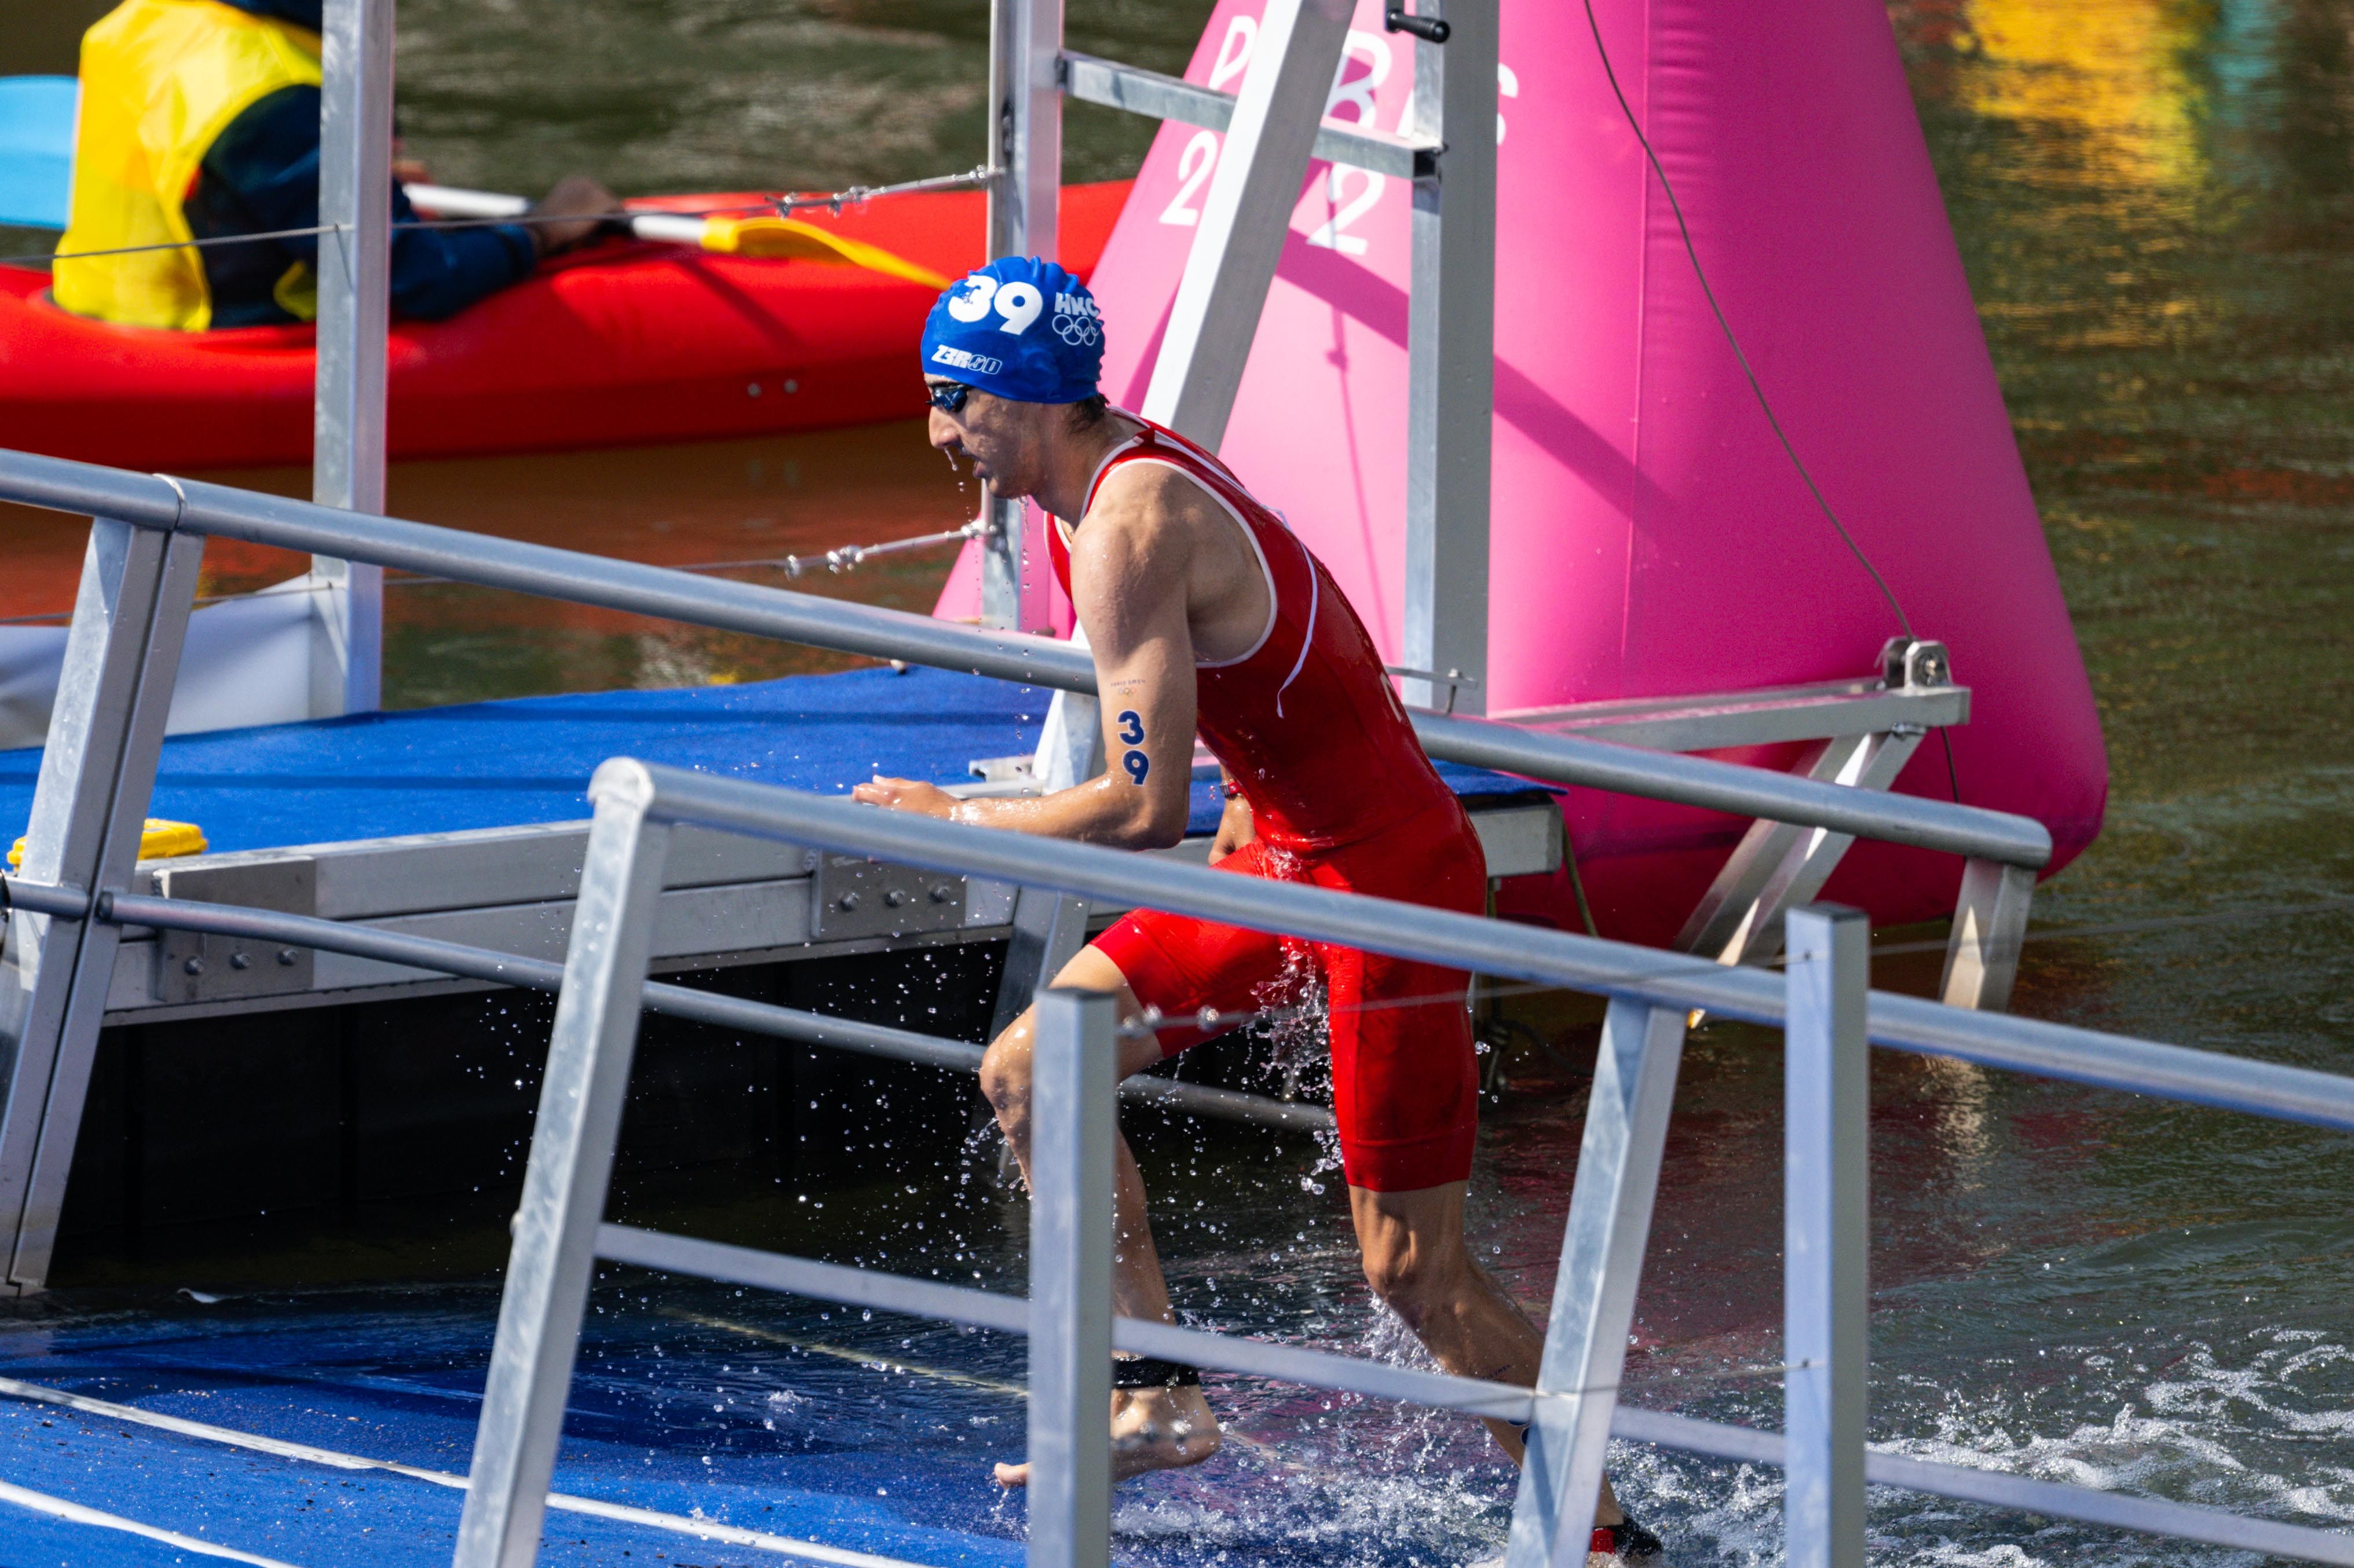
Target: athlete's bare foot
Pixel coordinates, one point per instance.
(1151, 1429)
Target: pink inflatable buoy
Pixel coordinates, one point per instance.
(1651, 536)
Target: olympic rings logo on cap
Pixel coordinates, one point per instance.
(1077, 331)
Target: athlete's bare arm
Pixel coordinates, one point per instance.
(1155, 563)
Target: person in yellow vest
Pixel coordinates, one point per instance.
(200, 120)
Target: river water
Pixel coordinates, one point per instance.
(2155, 200)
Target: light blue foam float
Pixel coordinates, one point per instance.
(37, 137)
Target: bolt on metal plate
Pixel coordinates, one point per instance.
(852, 898)
(194, 966)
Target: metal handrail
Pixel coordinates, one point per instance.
(1067, 1314)
(149, 500)
(1501, 948)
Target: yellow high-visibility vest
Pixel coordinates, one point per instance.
(160, 79)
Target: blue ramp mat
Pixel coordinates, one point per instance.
(790, 1419)
(509, 764)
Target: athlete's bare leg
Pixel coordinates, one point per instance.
(1413, 1252)
(1151, 1429)
(1417, 1263)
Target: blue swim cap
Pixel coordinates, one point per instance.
(1018, 328)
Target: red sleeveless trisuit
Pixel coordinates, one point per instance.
(1342, 795)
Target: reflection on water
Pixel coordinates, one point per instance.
(2155, 199)
(2120, 80)
(720, 95)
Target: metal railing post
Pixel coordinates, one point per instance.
(1826, 1231)
(1451, 361)
(1025, 155)
(1025, 39)
(1049, 929)
(98, 771)
(565, 1183)
(1594, 1293)
(1245, 216)
(1073, 1114)
(355, 280)
(1989, 922)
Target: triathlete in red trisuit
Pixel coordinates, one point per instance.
(1205, 614)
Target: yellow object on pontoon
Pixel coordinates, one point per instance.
(159, 840)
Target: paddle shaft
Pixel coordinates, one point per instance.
(449, 201)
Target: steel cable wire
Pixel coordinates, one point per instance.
(782, 205)
(841, 559)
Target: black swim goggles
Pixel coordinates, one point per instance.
(948, 397)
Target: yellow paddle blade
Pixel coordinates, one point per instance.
(785, 238)
(159, 840)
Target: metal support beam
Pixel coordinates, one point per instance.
(1594, 1293)
(97, 770)
(1989, 922)
(1778, 866)
(1074, 1121)
(1157, 97)
(1826, 1235)
(1245, 216)
(1766, 716)
(563, 1185)
(355, 278)
(1452, 363)
(1025, 158)
(1049, 929)
(1025, 38)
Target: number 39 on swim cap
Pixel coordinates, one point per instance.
(1019, 328)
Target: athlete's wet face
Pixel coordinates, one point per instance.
(1006, 441)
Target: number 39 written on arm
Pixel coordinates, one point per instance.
(1132, 735)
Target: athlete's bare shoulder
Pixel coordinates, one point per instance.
(1140, 522)
(1154, 528)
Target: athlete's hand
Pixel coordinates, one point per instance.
(1236, 828)
(580, 204)
(908, 795)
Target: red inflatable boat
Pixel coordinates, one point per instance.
(618, 344)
